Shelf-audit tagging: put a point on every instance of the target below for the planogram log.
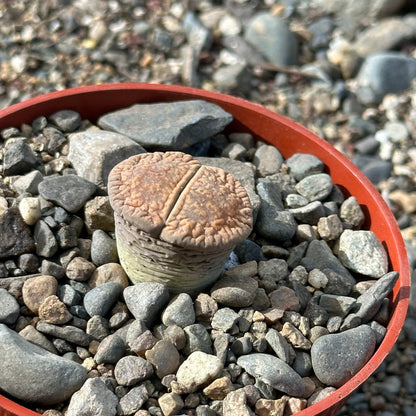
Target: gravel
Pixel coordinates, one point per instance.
(334, 87)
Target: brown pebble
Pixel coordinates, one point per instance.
(53, 311)
(219, 388)
(109, 272)
(36, 289)
(79, 269)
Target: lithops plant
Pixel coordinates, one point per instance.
(177, 221)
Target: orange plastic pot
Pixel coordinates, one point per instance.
(289, 137)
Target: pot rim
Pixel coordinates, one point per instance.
(26, 111)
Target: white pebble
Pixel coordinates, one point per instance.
(3, 204)
(317, 279)
(30, 210)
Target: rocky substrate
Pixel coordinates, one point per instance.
(300, 308)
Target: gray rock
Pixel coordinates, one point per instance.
(16, 237)
(46, 244)
(224, 319)
(315, 187)
(370, 301)
(110, 350)
(233, 77)
(267, 160)
(198, 36)
(180, 311)
(68, 295)
(146, 300)
(304, 164)
(66, 120)
(279, 345)
(234, 291)
(94, 398)
(9, 308)
(384, 73)
(197, 339)
(338, 284)
(130, 370)
(310, 213)
(271, 36)
(68, 191)
(338, 357)
(337, 305)
(274, 372)
(164, 357)
(35, 337)
(133, 400)
(302, 363)
(273, 221)
(243, 49)
(28, 183)
(351, 212)
(242, 346)
(33, 374)
(18, 158)
(103, 248)
(373, 167)
(135, 329)
(66, 332)
(97, 327)
(93, 153)
(100, 299)
(362, 252)
(388, 34)
(320, 256)
(174, 125)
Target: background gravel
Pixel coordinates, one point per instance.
(343, 69)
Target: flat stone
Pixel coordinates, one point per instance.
(164, 357)
(370, 301)
(310, 213)
(271, 36)
(66, 332)
(304, 164)
(167, 126)
(146, 300)
(338, 357)
(33, 374)
(97, 327)
(18, 158)
(94, 398)
(16, 235)
(130, 370)
(197, 371)
(234, 291)
(98, 301)
(362, 252)
(143, 343)
(273, 371)
(180, 311)
(36, 289)
(9, 308)
(35, 337)
(93, 153)
(337, 305)
(71, 192)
